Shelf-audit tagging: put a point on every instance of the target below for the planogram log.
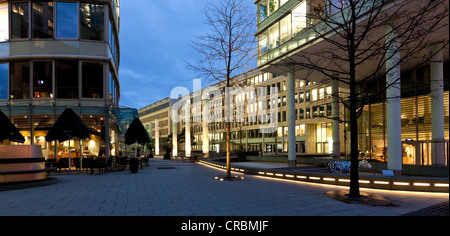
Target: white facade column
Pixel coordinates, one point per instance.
(437, 106)
(157, 137)
(205, 138)
(187, 129)
(335, 114)
(292, 159)
(393, 105)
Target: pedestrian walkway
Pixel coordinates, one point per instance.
(175, 188)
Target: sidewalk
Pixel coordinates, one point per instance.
(174, 188)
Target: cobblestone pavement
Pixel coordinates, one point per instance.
(174, 188)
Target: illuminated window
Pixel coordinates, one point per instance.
(42, 20)
(286, 28)
(4, 29)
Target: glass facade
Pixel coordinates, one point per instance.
(92, 21)
(4, 22)
(67, 79)
(35, 90)
(20, 80)
(4, 81)
(42, 20)
(19, 20)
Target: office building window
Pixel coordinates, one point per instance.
(274, 36)
(20, 80)
(42, 20)
(92, 21)
(42, 79)
(4, 27)
(92, 82)
(286, 28)
(19, 20)
(67, 79)
(67, 20)
(3, 81)
(299, 18)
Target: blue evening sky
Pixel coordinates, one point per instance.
(154, 43)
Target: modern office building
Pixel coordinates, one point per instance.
(58, 54)
(409, 123)
(313, 111)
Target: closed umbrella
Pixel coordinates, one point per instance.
(69, 125)
(8, 130)
(136, 133)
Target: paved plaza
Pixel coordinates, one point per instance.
(175, 188)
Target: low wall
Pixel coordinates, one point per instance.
(413, 170)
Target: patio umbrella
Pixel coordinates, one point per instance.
(8, 130)
(136, 133)
(69, 125)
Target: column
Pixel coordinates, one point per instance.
(292, 159)
(174, 133)
(437, 106)
(335, 114)
(187, 129)
(205, 138)
(157, 137)
(393, 105)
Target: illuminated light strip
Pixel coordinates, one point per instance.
(301, 177)
(289, 176)
(261, 173)
(364, 181)
(314, 178)
(380, 182)
(344, 180)
(401, 183)
(279, 175)
(271, 174)
(422, 184)
(329, 179)
(441, 185)
(241, 170)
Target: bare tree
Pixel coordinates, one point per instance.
(228, 48)
(360, 42)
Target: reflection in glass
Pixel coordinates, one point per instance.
(92, 82)
(42, 19)
(3, 81)
(42, 79)
(20, 80)
(4, 31)
(67, 79)
(92, 21)
(66, 20)
(19, 20)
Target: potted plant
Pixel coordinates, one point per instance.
(134, 165)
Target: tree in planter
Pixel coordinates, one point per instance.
(228, 49)
(361, 42)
